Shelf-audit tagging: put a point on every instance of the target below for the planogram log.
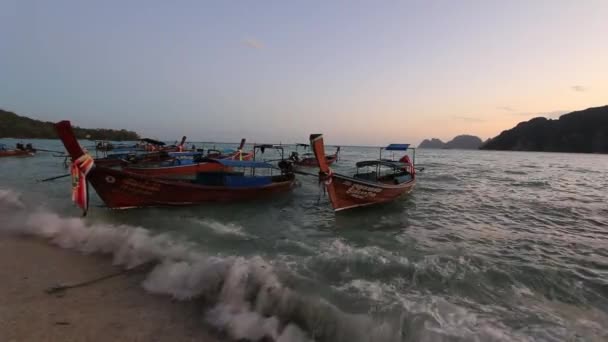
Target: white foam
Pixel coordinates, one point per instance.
(222, 228)
(10, 199)
(245, 298)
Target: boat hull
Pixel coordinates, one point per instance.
(121, 190)
(16, 153)
(347, 192)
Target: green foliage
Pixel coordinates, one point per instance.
(15, 126)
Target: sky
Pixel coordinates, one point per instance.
(361, 72)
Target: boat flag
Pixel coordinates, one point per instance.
(79, 170)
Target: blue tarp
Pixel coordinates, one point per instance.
(397, 147)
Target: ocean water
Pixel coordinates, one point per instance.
(490, 246)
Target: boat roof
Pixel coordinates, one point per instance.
(397, 147)
(240, 163)
(387, 163)
(152, 141)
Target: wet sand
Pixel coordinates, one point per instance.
(116, 309)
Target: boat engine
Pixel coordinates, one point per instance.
(286, 166)
(294, 156)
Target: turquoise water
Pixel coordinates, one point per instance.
(490, 246)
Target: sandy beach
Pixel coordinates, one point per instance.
(116, 309)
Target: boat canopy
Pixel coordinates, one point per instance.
(387, 163)
(152, 141)
(239, 163)
(397, 147)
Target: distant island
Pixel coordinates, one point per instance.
(463, 142)
(21, 127)
(584, 131)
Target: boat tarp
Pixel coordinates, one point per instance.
(397, 147)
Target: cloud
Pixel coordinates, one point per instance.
(253, 43)
(468, 119)
(579, 88)
(506, 108)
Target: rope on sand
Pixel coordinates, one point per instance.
(137, 269)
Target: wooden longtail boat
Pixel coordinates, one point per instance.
(309, 159)
(119, 189)
(188, 163)
(235, 155)
(20, 151)
(124, 159)
(175, 166)
(364, 189)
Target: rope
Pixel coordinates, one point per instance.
(139, 268)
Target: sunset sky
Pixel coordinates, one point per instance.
(361, 72)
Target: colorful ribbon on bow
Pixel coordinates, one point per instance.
(79, 170)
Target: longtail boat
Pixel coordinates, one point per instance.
(121, 190)
(20, 151)
(366, 188)
(234, 155)
(309, 159)
(187, 163)
(176, 166)
(127, 158)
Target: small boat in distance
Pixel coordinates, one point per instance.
(185, 163)
(234, 155)
(121, 190)
(309, 159)
(384, 180)
(20, 150)
(188, 163)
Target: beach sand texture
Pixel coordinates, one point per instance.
(115, 309)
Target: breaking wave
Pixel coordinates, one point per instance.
(244, 297)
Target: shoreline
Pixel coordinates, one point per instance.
(115, 309)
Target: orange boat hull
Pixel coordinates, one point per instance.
(16, 153)
(346, 192)
(121, 190)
